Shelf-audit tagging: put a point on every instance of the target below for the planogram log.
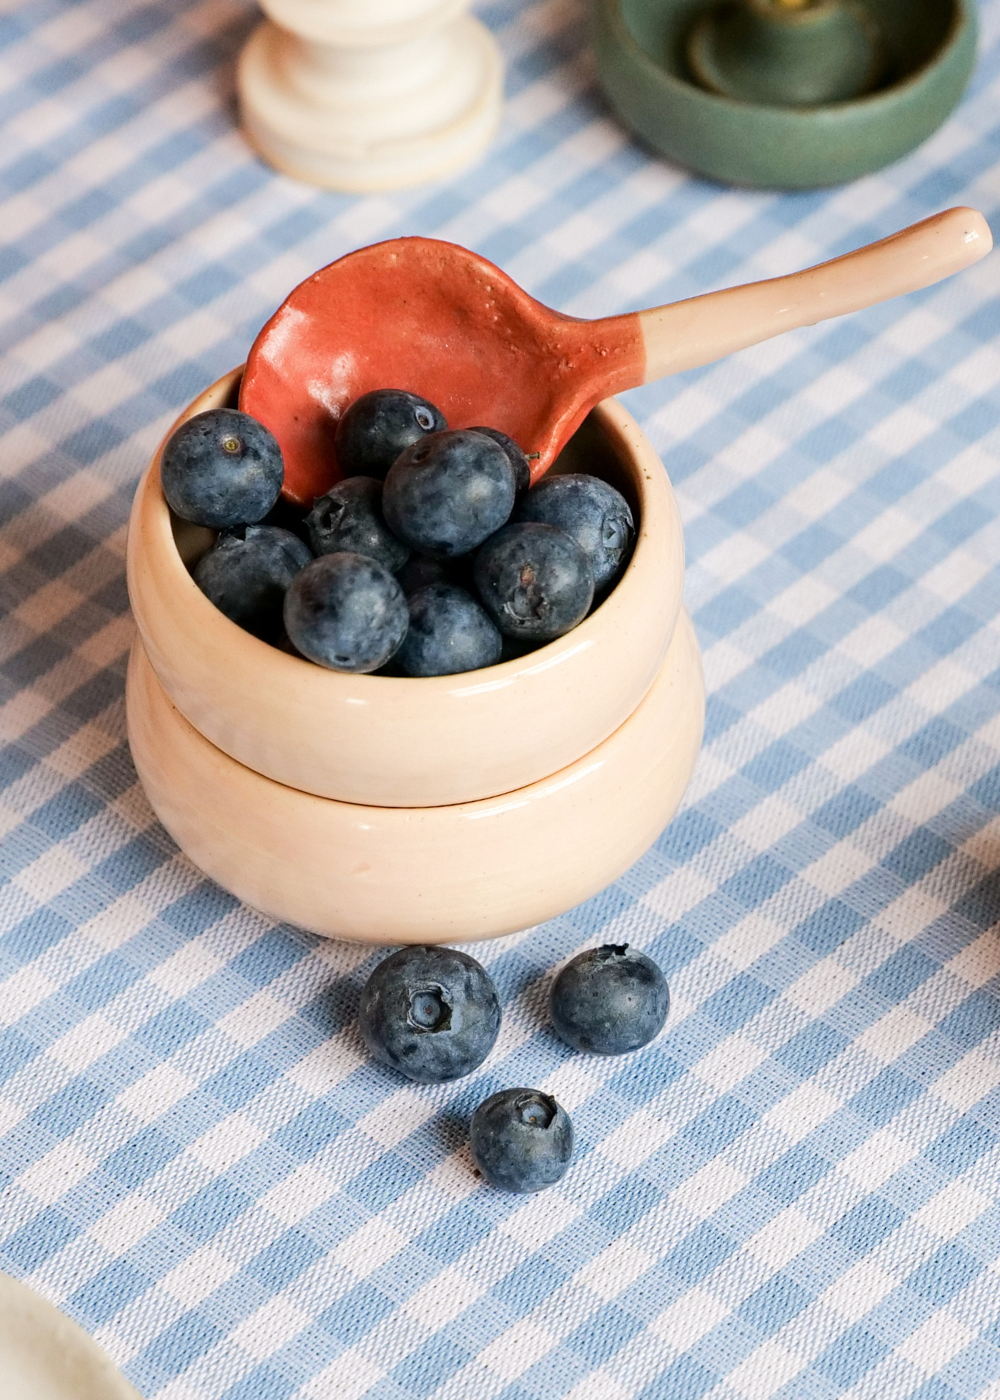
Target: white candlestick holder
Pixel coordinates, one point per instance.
(363, 96)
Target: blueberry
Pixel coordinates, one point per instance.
(534, 580)
(221, 468)
(521, 1139)
(347, 612)
(288, 515)
(391, 668)
(432, 1013)
(419, 572)
(449, 632)
(609, 1000)
(514, 649)
(377, 426)
(284, 643)
(247, 573)
(448, 493)
(350, 517)
(515, 456)
(594, 513)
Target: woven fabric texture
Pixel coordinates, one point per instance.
(794, 1192)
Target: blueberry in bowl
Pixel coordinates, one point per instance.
(419, 572)
(221, 468)
(288, 515)
(349, 517)
(246, 575)
(515, 455)
(609, 1000)
(521, 1139)
(346, 612)
(449, 492)
(449, 633)
(379, 425)
(430, 1012)
(534, 580)
(593, 512)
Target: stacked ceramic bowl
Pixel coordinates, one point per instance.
(418, 810)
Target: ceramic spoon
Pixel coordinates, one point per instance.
(439, 320)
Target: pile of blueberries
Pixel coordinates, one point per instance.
(432, 556)
(434, 1014)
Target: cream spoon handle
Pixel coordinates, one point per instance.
(695, 332)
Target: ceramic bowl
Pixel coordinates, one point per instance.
(405, 743)
(427, 874)
(640, 48)
(45, 1356)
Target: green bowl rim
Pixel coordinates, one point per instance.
(963, 15)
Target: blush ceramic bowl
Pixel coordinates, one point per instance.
(423, 874)
(430, 742)
(45, 1356)
(399, 811)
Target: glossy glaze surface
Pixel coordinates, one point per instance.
(45, 1356)
(426, 742)
(436, 874)
(442, 322)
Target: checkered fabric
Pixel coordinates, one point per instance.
(794, 1191)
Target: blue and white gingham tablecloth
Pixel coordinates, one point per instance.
(794, 1193)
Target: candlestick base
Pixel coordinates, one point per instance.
(362, 117)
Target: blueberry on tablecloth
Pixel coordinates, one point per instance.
(521, 1139)
(432, 1013)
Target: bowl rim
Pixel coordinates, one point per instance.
(962, 16)
(494, 677)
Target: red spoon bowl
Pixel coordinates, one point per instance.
(442, 322)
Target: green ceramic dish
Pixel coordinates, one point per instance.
(930, 49)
